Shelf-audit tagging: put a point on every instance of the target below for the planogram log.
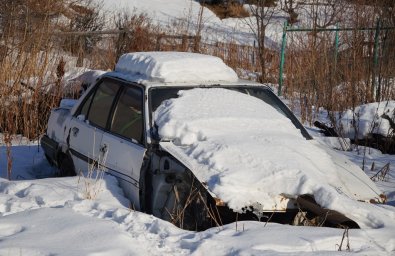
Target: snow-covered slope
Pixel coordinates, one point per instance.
(182, 17)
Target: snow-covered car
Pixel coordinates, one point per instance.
(191, 143)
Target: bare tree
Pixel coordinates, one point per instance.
(199, 27)
(262, 13)
(290, 7)
(140, 33)
(85, 17)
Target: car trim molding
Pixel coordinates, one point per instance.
(110, 171)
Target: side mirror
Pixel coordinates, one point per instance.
(81, 117)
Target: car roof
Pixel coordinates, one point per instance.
(175, 67)
(172, 69)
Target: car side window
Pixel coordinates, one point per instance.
(102, 101)
(127, 120)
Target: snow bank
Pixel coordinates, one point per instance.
(50, 217)
(171, 67)
(249, 154)
(368, 120)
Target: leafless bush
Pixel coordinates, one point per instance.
(140, 33)
(84, 16)
(262, 12)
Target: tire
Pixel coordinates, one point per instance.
(49, 160)
(66, 167)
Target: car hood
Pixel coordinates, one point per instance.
(343, 179)
(257, 158)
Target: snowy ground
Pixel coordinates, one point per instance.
(53, 216)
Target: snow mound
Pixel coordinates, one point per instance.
(171, 67)
(250, 154)
(368, 119)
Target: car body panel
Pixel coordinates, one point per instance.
(84, 143)
(352, 180)
(123, 160)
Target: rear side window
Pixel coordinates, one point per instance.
(127, 120)
(98, 106)
(86, 105)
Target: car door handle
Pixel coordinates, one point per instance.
(75, 131)
(103, 148)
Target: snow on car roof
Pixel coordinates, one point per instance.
(175, 67)
(247, 153)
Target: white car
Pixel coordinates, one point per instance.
(192, 144)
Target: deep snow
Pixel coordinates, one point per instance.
(51, 216)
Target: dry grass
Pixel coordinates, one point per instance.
(91, 181)
(191, 210)
(316, 77)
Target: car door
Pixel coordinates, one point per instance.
(89, 123)
(124, 143)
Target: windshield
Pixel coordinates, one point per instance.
(160, 94)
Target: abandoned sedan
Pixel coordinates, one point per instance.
(192, 144)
